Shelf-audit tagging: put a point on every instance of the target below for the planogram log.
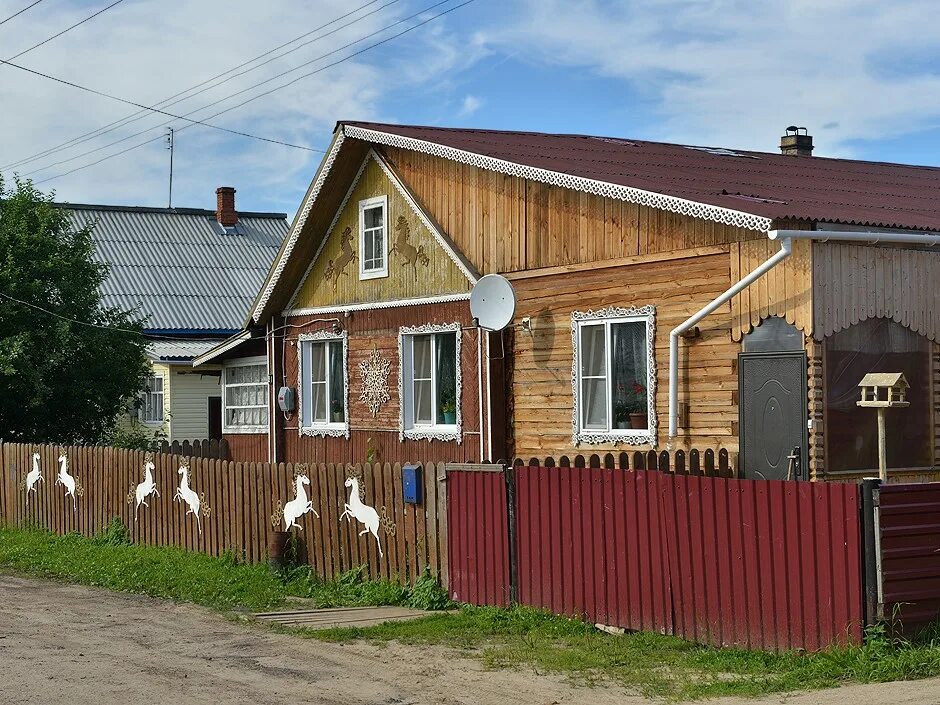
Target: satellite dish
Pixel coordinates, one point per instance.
(493, 302)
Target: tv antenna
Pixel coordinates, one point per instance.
(169, 145)
(493, 302)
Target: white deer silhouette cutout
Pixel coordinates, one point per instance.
(184, 493)
(66, 480)
(362, 512)
(298, 506)
(145, 488)
(33, 476)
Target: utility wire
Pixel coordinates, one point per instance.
(133, 117)
(20, 12)
(91, 325)
(228, 97)
(276, 88)
(67, 29)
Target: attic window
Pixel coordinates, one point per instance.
(373, 238)
(722, 152)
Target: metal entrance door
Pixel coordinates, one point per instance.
(772, 415)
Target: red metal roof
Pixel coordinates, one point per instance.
(765, 184)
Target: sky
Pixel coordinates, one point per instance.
(863, 77)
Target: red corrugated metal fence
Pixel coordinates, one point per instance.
(909, 523)
(771, 565)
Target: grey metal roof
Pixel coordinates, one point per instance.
(178, 266)
(180, 350)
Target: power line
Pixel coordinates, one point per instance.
(276, 88)
(67, 29)
(228, 97)
(20, 12)
(133, 117)
(90, 325)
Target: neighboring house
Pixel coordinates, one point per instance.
(192, 274)
(640, 308)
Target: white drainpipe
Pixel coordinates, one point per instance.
(786, 247)
(786, 238)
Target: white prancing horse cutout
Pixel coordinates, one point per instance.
(66, 480)
(362, 512)
(145, 488)
(33, 476)
(299, 505)
(184, 493)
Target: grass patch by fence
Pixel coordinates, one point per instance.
(109, 560)
(652, 664)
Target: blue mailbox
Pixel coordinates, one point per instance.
(411, 483)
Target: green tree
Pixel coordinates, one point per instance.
(65, 373)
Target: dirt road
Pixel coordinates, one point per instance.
(73, 644)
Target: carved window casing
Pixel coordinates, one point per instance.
(429, 388)
(323, 384)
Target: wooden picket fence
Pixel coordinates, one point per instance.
(693, 462)
(205, 448)
(241, 507)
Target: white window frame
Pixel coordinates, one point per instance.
(315, 428)
(610, 435)
(407, 427)
(245, 362)
(363, 206)
(143, 399)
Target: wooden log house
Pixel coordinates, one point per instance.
(611, 245)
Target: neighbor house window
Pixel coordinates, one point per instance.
(876, 345)
(245, 396)
(151, 400)
(430, 382)
(613, 376)
(373, 238)
(323, 384)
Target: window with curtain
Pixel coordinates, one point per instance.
(245, 396)
(373, 238)
(430, 394)
(612, 376)
(323, 383)
(876, 345)
(151, 400)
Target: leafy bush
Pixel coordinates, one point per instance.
(427, 594)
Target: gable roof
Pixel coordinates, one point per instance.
(178, 266)
(767, 185)
(754, 190)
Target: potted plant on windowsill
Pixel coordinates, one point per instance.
(630, 409)
(449, 408)
(336, 412)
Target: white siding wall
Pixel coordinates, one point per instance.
(189, 406)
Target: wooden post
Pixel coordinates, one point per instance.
(882, 453)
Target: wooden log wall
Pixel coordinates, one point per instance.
(241, 507)
(541, 384)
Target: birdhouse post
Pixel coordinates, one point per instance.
(880, 391)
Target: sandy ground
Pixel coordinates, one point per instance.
(73, 644)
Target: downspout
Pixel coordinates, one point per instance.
(786, 238)
(786, 248)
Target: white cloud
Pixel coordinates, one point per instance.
(470, 105)
(146, 51)
(736, 72)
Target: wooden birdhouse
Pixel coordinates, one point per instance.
(884, 389)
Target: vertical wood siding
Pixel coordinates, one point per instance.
(508, 224)
(248, 447)
(855, 282)
(242, 498)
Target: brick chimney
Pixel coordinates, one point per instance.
(225, 211)
(797, 142)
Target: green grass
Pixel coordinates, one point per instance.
(111, 561)
(651, 664)
(654, 665)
